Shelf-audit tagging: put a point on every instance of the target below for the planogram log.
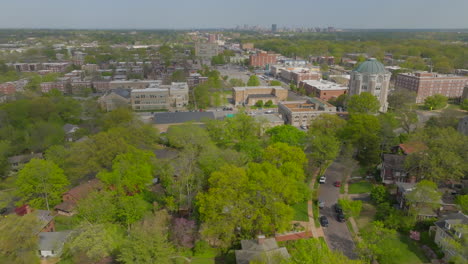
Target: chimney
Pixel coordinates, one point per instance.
(260, 239)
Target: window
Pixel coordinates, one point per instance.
(447, 225)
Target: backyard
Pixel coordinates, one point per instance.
(359, 187)
(404, 251)
(300, 212)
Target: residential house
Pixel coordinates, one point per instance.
(74, 195)
(393, 168)
(424, 211)
(264, 250)
(449, 229)
(70, 130)
(114, 99)
(51, 243)
(46, 219)
(16, 162)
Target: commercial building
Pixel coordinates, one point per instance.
(133, 84)
(301, 113)
(298, 74)
(195, 79)
(206, 50)
(160, 97)
(250, 95)
(323, 89)
(430, 83)
(262, 59)
(372, 77)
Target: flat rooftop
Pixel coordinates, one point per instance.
(243, 88)
(154, 89)
(325, 85)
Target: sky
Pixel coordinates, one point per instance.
(187, 14)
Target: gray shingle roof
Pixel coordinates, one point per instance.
(49, 241)
(181, 117)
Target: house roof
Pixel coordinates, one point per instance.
(24, 158)
(84, 189)
(452, 219)
(49, 241)
(394, 161)
(69, 128)
(44, 216)
(412, 147)
(268, 251)
(181, 117)
(166, 153)
(372, 66)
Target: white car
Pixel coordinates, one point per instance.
(322, 179)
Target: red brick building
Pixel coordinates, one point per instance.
(324, 90)
(262, 58)
(7, 88)
(430, 83)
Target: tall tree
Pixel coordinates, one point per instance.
(41, 184)
(18, 242)
(323, 150)
(435, 102)
(373, 245)
(364, 103)
(131, 171)
(287, 134)
(253, 81)
(424, 195)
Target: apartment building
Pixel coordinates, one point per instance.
(195, 79)
(323, 89)
(7, 88)
(133, 84)
(301, 113)
(250, 95)
(262, 59)
(206, 50)
(430, 83)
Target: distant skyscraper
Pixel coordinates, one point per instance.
(273, 28)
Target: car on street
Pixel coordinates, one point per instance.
(324, 221)
(340, 217)
(337, 184)
(322, 179)
(338, 209)
(321, 204)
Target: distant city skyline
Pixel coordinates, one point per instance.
(188, 14)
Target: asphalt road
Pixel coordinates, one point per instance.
(337, 234)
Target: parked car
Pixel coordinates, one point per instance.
(337, 184)
(338, 209)
(324, 221)
(340, 217)
(322, 179)
(321, 204)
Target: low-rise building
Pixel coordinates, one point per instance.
(301, 113)
(51, 243)
(162, 121)
(158, 97)
(74, 195)
(114, 99)
(261, 250)
(323, 89)
(250, 95)
(452, 228)
(430, 83)
(206, 50)
(133, 84)
(262, 59)
(195, 79)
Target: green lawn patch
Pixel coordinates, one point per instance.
(367, 215)
(406, 251)
(300, 212)
(359, 187)
(66, 222)
(316, 213)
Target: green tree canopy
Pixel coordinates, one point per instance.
(435, 102)
(364, 103)
(287, 134)
(41, 184)
(253, 81)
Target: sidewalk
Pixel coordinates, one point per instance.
(350, 219)
(316, 231)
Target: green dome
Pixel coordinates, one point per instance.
(372, 66)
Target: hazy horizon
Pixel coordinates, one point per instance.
(212, 14)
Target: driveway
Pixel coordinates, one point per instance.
(337, 234)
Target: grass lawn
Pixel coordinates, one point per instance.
(367, 215)
(300, 212)
(65, 222)
(360, 187)
(406, 252)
